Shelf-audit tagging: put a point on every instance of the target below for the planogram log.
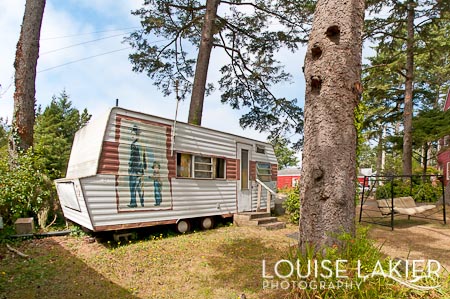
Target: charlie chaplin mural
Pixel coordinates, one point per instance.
(157, 183)
(142, 181)
(136, 168)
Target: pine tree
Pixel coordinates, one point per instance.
(248, 33)
(332, 73)
(25, 64)
(54, 133)
(398, 34)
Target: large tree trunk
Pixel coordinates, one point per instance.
(27, 54)
(408, 107)
(332, 71)
(201, 69)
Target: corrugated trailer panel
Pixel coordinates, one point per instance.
(190, 198)
(203, 142)
(73, 203)
(86, 149)
(268, 156)
(135, 181)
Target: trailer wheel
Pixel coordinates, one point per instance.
(207, 223)
(183, 226)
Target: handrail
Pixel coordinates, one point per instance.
(270, 192)
(266, 187)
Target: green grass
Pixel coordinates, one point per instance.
(362, 257)
(221, 263)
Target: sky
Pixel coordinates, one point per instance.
(96, 82)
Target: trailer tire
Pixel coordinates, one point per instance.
(183, 226)
(207, 223)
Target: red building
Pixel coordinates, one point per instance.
(288, 178)
(443, 157)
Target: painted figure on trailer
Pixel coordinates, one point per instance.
(136, 168)
(157, 183)
(142, 178)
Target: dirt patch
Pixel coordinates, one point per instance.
(415, 240)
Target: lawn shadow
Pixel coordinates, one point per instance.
(52, 272)
(238, 264)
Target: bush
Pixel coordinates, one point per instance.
(292, 205)
(420, 191)
(25, 191)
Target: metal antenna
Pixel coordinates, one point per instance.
(175, 120)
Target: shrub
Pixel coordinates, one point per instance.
(292, 204)
(420, 191)
(25, 191)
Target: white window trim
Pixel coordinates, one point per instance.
(213, 165)
(267, 174)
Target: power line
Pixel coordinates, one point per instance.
(101, 54)
(2, 93)
(86, 58)
(86, 42)
(80, 34)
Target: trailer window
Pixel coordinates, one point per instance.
(200, 167)
(260, 149)
(203, 167)
(264, 171)
(219, 168)
(184, 162)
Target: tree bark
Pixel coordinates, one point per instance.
(426, 147)
(201, 69)
(408, 106)
(333, 89)
(25, 63)
(380, 152)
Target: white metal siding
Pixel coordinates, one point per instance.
(191, 198)
(188, 198)
(86, 149)
(204, 142)
(81, 217)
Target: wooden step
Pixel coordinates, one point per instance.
(260, 219)
(251, 215)
(265, 220)
(274, 225)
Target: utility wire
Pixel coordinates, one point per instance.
(86, 42)
(89, 57)
(73, 35)
(3, 92)
(86, 58)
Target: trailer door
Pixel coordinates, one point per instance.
(244, 194)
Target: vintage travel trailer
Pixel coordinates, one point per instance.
(129, 169)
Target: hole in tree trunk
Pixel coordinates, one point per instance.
(316, 52)
(333, 33)
(316, 84)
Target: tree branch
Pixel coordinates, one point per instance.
(281, 17)
(384, 33)
(186, 8)
(17, 251)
